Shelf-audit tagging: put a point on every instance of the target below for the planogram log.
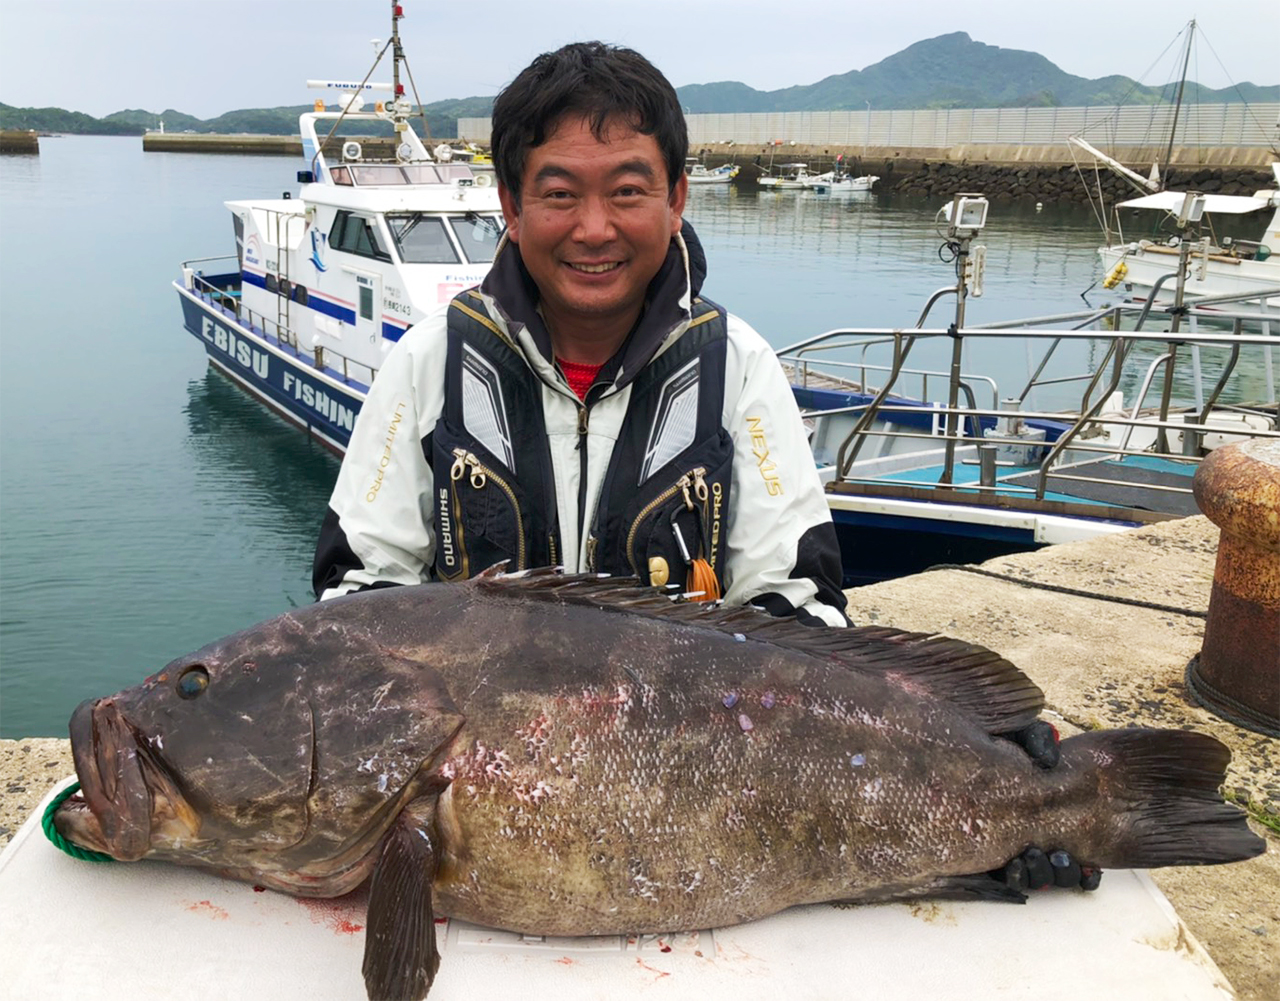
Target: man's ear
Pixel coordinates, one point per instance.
(510, 212)
(679, 194)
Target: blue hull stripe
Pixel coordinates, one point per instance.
(316, 301)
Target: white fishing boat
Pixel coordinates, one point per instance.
(321, 285)
(930, 462)
(1211, 268)
(791, 177)
(1176, 247)
(836, 183)
(699, 173)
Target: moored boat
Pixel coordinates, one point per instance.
(1238, 268)
(929, 463)
(322, 285)
(1182, 252)
(836, 183)
(792, 177)
(699, 173)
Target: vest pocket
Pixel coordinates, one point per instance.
(681, 515)
(480, 513)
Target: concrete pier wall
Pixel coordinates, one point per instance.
(12, 141)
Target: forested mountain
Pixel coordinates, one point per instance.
(950, 71)
(954, 71)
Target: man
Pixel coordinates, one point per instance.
(585, 407)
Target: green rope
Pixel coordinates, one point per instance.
(51, 832)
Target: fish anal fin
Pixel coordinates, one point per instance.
(979, 886)
(400, 955)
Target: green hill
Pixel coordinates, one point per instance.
(954, 71)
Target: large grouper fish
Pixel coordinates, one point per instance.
(570, 755)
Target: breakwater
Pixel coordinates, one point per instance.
(194, 142)
(13, 141)
(1013, 172)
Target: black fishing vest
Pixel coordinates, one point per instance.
(664, 501)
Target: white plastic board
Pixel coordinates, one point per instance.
(134, 932)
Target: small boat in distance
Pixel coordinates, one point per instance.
(698, 172)
(793, 177)
(834, 182)
(322, 285)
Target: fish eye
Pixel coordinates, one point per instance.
(193, 681)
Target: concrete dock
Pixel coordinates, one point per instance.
(1106, 628)
(19, 141)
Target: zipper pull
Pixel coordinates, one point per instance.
(459, 462)
(462, 459)
(591, 553)
(478, 477)
(584, 418)
(700, 484)
(684, 483)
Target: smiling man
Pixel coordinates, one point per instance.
(585, 406)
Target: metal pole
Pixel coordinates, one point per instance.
(1184, 252)
(1182, 83)
(957, 347)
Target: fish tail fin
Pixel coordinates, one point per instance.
(1166, 808)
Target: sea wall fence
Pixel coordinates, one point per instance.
(1004, 152)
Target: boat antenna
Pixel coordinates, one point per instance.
(1177, 106)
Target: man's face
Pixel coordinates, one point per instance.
(594, 224)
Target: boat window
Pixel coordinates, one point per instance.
(478, 235)
(380, 173)
(366, 302)
(341, 175)
(357, 235)
(421, 173)
(451, 172)
(421, 239)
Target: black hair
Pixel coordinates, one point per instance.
(602, 83)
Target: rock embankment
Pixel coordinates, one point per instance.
(1055, 184)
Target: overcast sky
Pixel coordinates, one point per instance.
(212, 56)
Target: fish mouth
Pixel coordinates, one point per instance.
(126, 799)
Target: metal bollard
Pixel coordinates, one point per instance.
(1237, 672)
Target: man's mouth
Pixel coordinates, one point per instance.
(596, 269)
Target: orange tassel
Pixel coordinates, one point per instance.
(703, 578)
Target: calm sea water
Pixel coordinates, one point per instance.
(148, 507)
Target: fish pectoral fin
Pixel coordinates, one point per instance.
(400, 955)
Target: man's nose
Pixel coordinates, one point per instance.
(595, 222)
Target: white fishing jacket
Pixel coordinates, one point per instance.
(385, 524)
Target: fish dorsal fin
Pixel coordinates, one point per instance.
(977, 680)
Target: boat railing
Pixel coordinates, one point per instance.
(324, 359)
(1194, 411)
